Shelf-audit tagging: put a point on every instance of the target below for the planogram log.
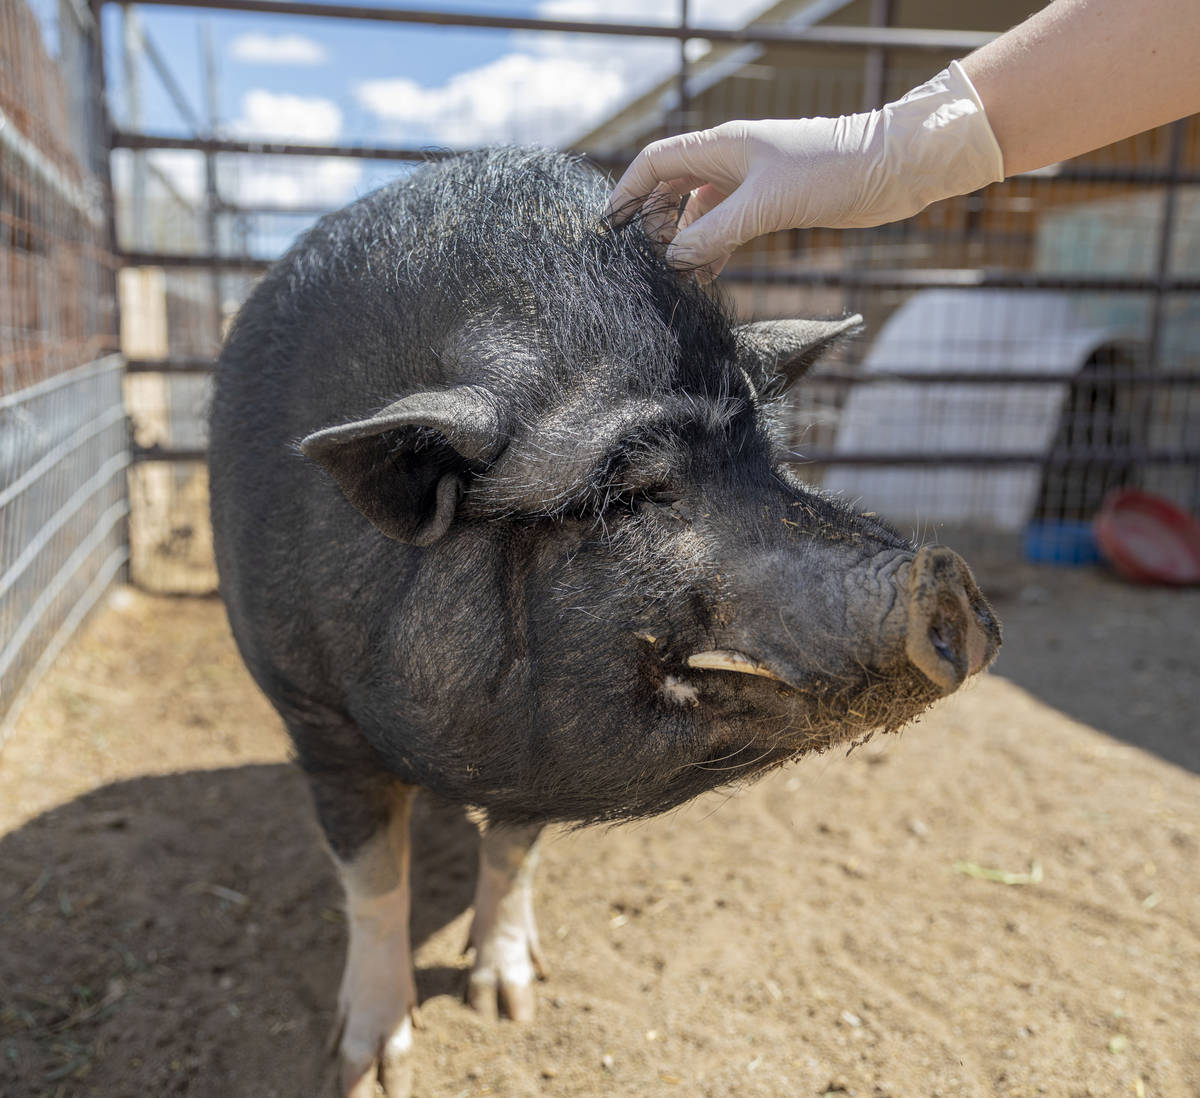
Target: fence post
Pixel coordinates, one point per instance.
(101, 131)
(1166, 236)
(683, 106)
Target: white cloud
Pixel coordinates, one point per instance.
(258, 180)
(278, 49)
(703, 13)
(553, 87)
(280, 116)
(184, 169)
(288, 180)
(616, 11)
(517, 97)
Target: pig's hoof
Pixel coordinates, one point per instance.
(507, 961)
(371, 1064)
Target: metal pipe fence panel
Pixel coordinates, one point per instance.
(64, 446)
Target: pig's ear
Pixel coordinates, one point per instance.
(779, 352)
(404, 467)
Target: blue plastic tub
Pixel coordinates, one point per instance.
(1061, 541)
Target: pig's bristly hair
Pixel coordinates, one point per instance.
(520, 236)
(531, 292)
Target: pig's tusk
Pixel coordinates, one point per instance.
(721, 660)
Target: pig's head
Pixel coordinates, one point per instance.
(625, 595)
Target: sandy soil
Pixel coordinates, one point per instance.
(1001, 901)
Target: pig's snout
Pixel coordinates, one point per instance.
(951, 630)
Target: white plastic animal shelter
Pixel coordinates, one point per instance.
(964, 331)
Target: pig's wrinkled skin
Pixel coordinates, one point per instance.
(500, 512)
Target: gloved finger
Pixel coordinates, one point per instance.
(685, 184)
(713, 237)
(669, 159)
(711, 270)
(704, 275)
(702, 200)
(660, 212)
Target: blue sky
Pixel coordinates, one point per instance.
(354, 52)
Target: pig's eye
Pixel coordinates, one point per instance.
(637, 499)
(638, 476)
(661, 495)
(653, 498)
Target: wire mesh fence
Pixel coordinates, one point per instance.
(63, 439)
(1028, 348)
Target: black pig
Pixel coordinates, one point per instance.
(500, 512)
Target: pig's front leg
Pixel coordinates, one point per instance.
(503, 932)
(377, 1001)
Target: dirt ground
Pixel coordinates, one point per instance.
(1003, 900)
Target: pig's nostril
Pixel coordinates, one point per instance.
(934, 642)
(937, 637)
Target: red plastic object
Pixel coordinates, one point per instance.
(1148, 539)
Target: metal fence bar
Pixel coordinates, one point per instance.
(1092, 455)
(107, 572)
(62, 516)
(158, 452)
(1000, 376)
(1089, 455)
(916, 279)
(13, 142)
(167, 77)
(894, 37)
(277, 209)
(252, 264)
(170, 365)
(1137, 176)
(62, 577)
(1166, 238)
(964, 278)
(68, 445)
(683, 106)
(67, 377)
(1089, 378)
(126, 139)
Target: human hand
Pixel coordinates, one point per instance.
(749, 178)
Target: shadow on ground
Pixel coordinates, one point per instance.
(170, 930)
(1116, 656)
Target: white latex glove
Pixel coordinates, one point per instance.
(750, 178)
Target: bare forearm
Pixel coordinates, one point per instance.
(1080, 74)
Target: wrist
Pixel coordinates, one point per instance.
(933, 143)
